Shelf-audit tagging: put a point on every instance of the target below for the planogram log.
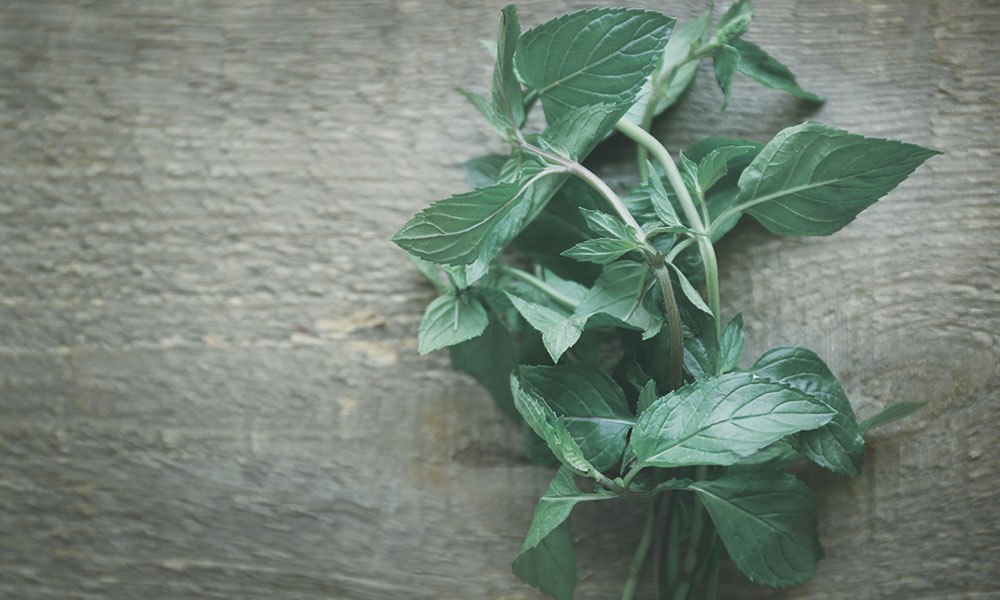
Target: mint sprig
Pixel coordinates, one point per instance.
(670, 420)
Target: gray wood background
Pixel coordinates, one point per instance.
(209, 385)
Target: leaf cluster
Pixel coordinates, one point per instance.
(579, 309)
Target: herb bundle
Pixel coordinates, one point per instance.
(601, 329)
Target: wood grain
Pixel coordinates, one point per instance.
(209, 385)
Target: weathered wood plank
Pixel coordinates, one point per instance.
(208, 378)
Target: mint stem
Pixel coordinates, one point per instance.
(635, 569)
(662, 156)
(673, 326)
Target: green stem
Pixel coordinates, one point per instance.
(659, 84)
(631, 475)
(640, 553)
(714, 559)
(539, 285)
(663, 526)
(678, 248)
(694, 540)
(591, 179)
(672, 569)
(673, 326)
(662, 156)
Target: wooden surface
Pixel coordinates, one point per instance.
(209, 385)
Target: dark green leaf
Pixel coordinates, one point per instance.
(779, 455)
(589, 404)
(675, 70)
(580, 129)
(537, 450)
(838, 445)
(766, 70)
(559, 226)
(485, 108)
(550, 565)
(720, 420)
(725, 59)
(715, 165)
(647, 395)
(431, 272)
(721, 162)
(701, 149)
(450, 320)
(735, 21)
(537, 414)
(731, 344)
(689, 175)
(619, 293)
(601, 251)
(767, 521)
(690, 293)
(702, 356)
(555, 506)
(508, 103)
(813, 180)
(606, 225)
(489, 359)
(559, 329)
(891, 414)
(470, 227)
(653, 357)
(662, 205)
(596, 56)
(484, 171)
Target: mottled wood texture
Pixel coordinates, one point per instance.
(209, 385)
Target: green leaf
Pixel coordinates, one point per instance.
(560, 330)
(779, 455)
(767, 521)
(469, 227)
(580, 129)
(662, 205)
(720, 420)
(725, 59)
(813, 180)
(731, 344)
(546, 425)
(601, 251)
(550, 565)
(484, 171)
(489, 359)
(647, 395)
(589, 404)
(555, 506)
(702, 356)
(721, 162)
(431, 272)
(508, 102)
(536, 450)
(891, 414)
(675, 71)
(689, 292)
(653, 358)
(838, 445)
(486, 109)
(758, 65)
(595, 56)
(619, 293)
(451, 320)
(559, 226)
(716, 164)
(606, 225)
(735, 21)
